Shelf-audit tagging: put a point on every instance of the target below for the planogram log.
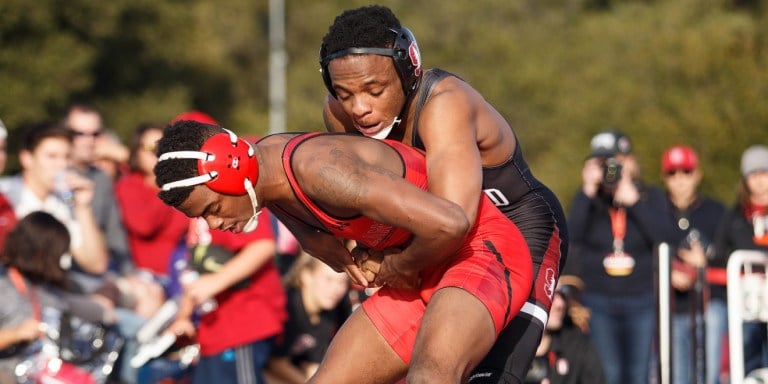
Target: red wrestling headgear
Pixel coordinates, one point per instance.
(225, 164)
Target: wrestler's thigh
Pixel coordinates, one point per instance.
(359, 354)
(455, 333)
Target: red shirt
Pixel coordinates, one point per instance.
(154, 229)
(7, 219)
(248, 314)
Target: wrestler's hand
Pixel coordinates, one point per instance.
(368, 262)
(389, 274)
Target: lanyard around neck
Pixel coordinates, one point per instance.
(18, 281)
(618, 227)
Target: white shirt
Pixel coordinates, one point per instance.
(25, 201)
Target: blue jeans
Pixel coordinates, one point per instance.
(682, 334)
(128, 323)
(622, 330)
(163, 370)
(239, 365)
(716, 329)
(755, 346)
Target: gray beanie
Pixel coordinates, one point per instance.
(3, 131)
(754, 159)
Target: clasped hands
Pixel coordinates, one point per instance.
(380, 268)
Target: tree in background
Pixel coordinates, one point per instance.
(664, 72)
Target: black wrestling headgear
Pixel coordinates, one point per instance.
(404, 53)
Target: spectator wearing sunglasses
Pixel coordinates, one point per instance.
(86, 124)
(696, 217)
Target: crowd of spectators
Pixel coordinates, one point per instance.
(108, 250)
(617, 222)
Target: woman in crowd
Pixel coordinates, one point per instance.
(318, 303)
(744, 227)
(154, 229)
(33, 278)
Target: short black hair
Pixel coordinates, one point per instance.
(365, 27)
(35, 133)
(184, 135)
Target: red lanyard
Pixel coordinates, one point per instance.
(618, 227)
(18, 282)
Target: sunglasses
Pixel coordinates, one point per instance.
(91, 134)
(673, 172)
(150, 147)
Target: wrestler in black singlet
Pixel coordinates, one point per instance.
(537, 212)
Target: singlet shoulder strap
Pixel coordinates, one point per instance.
(428, 83)
(288, 152)
(290, 146)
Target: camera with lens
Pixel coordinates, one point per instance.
(611, 173)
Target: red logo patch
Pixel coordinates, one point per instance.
(549, 282)
(413, 53)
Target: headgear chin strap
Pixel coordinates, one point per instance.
(253, 222)
(381, 135)
(225, 164)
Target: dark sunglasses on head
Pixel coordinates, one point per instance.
(672, 172)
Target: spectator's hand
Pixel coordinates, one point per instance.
(82, 188)
(592, 176)
(202, 289)
(108, 148)
(28, 330)
(680, 280)
(181, 327)
(626, 191)
(695, 256)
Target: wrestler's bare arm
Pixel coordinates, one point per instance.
(363, 176)
(447, 128)
(336, 120)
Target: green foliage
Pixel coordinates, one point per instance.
(664, 72)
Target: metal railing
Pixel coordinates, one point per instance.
(747, 301)
(665, 304)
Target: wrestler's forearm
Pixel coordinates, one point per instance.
(427, 251)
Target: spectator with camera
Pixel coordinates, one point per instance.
(616, 221)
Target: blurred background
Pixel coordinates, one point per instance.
(663, 72)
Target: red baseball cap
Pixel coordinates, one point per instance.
(200, 117)
(679, 157)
